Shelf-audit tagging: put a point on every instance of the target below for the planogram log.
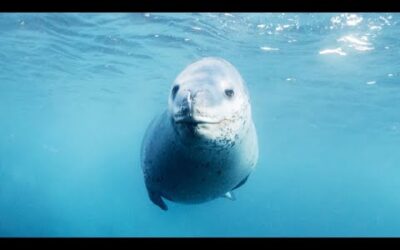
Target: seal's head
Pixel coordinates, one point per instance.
(209, 102)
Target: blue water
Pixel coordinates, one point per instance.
(77, 92)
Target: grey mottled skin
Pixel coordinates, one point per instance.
(186, 168)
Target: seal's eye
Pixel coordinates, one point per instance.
(174, 91)
(229, 92)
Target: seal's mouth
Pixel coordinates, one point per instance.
(190, 120)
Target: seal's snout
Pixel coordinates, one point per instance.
(191, 107)
(186, 106)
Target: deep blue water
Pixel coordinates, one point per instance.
(77, 92)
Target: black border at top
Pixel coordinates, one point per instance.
(200, 6)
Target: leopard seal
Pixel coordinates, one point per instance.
(204, 145)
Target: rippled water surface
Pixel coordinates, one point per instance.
(77, 92)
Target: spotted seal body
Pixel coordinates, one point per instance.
(205, 144)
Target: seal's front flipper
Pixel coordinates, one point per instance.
(156, 199)
(241, 182)
(229, 195)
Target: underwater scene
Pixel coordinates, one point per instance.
(199, 124)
